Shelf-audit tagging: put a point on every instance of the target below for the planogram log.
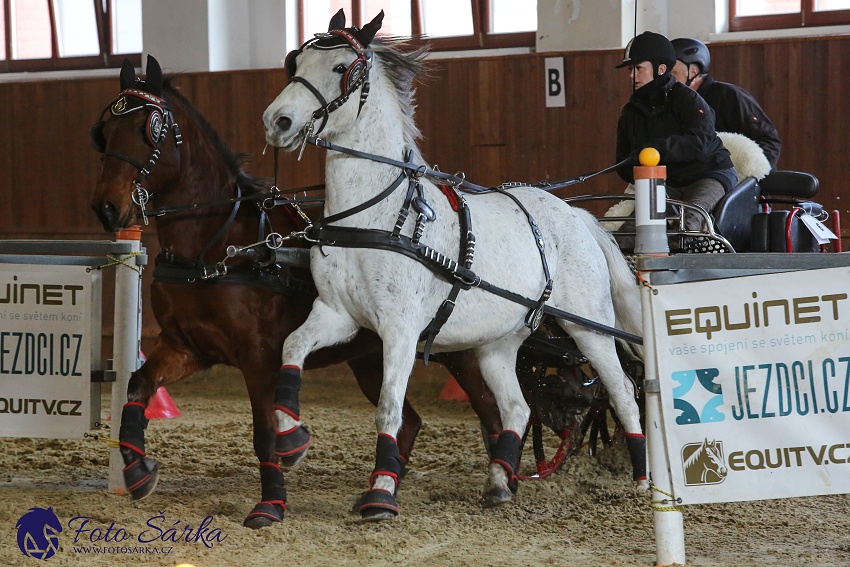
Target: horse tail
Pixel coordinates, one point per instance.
(624, 289)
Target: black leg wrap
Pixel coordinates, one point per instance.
(288, 387)
(388, 461)
(636, 444)
(133, 425)
(290, 446)
(273, 504)
(140, 473)
(378, 504)
(507, 452)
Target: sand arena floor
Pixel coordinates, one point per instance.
(587, 514)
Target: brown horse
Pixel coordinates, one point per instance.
(156, 146)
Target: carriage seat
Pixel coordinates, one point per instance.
(795, 184)
(734, 213)
(780, 230)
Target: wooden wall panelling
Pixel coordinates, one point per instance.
(836, 158)
(8, 141)
(445, 118)
(488, 114)
(523, 85)
(30, 119)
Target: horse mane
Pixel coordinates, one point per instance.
(234, 161)
(689, 462)
(402, 66)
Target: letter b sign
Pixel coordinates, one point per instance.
(554, 67)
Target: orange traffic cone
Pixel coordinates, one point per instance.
(161, 406)
(452, 392)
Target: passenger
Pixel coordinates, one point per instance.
(735, 110)
(676, 121)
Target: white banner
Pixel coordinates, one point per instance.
(45, 351)
(755, 385)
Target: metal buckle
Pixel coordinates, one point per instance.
(220, 270)
(308, 132)
(140, 197)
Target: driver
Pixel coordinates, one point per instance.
(735, 109)
(676, 121)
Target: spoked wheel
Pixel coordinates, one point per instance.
(569, 405)
(554, 441)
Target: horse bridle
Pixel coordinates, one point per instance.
(355, 76)
(160, 120)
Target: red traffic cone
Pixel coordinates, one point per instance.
(452, 392)
(161, 406)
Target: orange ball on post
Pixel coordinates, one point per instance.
(649, 157)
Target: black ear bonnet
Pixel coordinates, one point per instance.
(135, 100)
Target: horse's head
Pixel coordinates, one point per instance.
(138, 154)
(324, 72)
(714, 457)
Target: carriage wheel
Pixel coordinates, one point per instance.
(563, 444)
(569, 408)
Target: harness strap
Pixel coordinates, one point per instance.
(465, 256)
(168, 272)
(223, 229)
(132, 161)
(349, 237)
(365, 205)
(322, 112)
(534, 316)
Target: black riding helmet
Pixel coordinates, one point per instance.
(652, 47)
(692, 52)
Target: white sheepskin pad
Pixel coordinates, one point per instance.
(747, 157)
(621, 209)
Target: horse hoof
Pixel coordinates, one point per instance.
(377, 505)
(263, 515)
(496, 497)
(291, 446)
(141, 477)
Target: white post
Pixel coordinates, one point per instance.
(651, 239)
(668, 521)
(125, 347)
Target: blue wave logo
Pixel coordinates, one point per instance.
(38, 533)
(697, 396)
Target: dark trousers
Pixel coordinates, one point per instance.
(703, 192)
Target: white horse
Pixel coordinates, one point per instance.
(396, 296)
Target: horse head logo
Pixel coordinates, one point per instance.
(38, 533)
(704, 463)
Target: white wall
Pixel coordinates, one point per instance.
(568, 25)
(176, 34)
(214, 35)
(219, 35)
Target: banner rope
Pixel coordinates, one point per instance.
(122, 261)
(661, 505)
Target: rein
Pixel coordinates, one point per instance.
(458, 180)
(265, 196)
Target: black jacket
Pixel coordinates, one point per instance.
(677, 122)
(735, 110)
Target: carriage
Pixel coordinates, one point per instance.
(261, 285)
